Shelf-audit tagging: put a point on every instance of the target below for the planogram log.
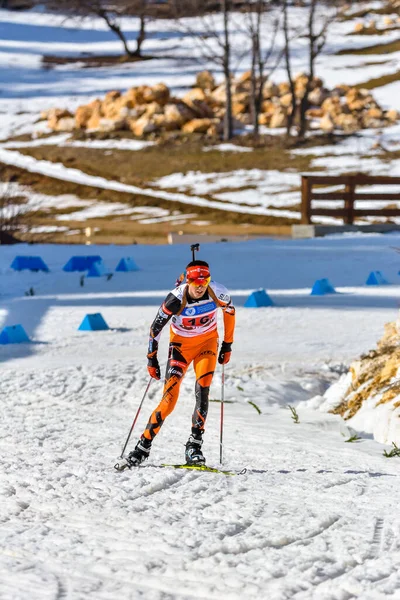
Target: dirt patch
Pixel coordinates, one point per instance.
(86, 61)
(388, 48)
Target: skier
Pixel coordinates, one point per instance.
(192, 308)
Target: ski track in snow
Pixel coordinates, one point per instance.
(73, 527)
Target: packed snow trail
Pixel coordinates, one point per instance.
(311, 510)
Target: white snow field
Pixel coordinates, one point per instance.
(313, 517)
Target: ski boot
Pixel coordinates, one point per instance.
(193, 453)
(140, 453)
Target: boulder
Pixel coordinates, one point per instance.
(65, 124)
(392, 115)
(96, 115)
(205, 81)
(158, 93)
(142, 126)
(152, 109)
(109, 125)
(348, 122)
(178, 113)
(278, 119)
(286, 100)
(326, 123)
(270, 90)
(54, 115)
(317, 96)
(283, 88)
(82, 116)
(219, 95)
(198, 125)
(332, 106)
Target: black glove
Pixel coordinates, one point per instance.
(225, 353)
(153, 367)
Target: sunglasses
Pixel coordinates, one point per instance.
(199, 282)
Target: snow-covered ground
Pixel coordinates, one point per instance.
(313, 517)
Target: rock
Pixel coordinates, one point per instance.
(238, 108)
(82, 116)
(205, 81)
(219, 95)
(283, 88)
(55, 115)
(198, 126)
(317, 96)
(348, 122)
(389, 21)
(96, 115)
(242, 83)
(212, 131)
(332, 106)
(178, 113)
(392, 115)
(65, 124)
(286, 100)
(158, 93)
(326, 124)
(358, 27)
(278, 119)
(374, 113)
(152, 108)
(109, 125)
(270, 90)
(161, 122)
(264, 119)
(142, 126)
(315, 113)
(196, 100)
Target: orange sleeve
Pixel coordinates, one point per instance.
(229, 323)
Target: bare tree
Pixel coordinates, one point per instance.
(287, 47)
(320, 17)
(260, 57)
(214, 41)
(111, 12)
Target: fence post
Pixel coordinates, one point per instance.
(306, 187)
(349, 202)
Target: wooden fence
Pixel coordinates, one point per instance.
(347, 197)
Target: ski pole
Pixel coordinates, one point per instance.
(135, 419)
(221, 431)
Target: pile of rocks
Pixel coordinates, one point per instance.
(147, 110)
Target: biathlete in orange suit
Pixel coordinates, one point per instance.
(192, 309)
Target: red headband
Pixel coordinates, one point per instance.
(198, 272)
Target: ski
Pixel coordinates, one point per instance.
(203, 468)
(123, 464)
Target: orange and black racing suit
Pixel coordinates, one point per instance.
(193, 338)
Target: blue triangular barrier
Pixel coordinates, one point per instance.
(97, 269)
(93, 322)
(80, 263)
(32, 263)
(322, 287)
(257, 299)
(376, 278)
(14, 334)
(127, 264)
